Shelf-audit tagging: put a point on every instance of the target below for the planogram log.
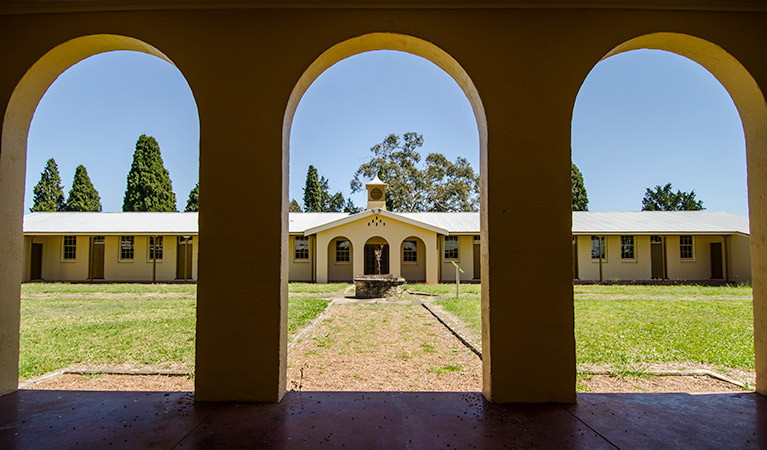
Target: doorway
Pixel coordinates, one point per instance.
(36, 262)
(184, 258)
(717, 271)
(656, 258)
(371, 259)
(97, 258)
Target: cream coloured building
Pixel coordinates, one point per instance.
(420, 247)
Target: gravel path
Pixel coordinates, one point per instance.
(382, 346)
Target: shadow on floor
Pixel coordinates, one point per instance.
(372, 420)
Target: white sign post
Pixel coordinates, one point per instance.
(457, 279)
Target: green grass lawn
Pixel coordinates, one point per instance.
(444, 289)
(626, 332)
(92, 324)
(313, 288)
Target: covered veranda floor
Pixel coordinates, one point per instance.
(371, 420)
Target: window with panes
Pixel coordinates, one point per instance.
(70, 247)
(343, 251)
(597, 243)
(451, 247)
(126, 247)
(627, 247)
(302, 247)
(685, 247)
(155, 246)
(410, 251)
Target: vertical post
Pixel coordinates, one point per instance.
(153, 246)
(90, 265)
(601, 256)
(185, 240)
(457, 282)
(726, 260)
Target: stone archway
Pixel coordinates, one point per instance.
(13, 149)
(750, 102)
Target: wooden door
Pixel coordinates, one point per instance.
(575, 258)
(97, 259)
(184, 258)
(36, 262)
(656, 260)
(716, 261)
(477, 262)
(371, 263)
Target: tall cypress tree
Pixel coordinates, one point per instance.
(149, 186)
(83, 196)
(580, 198)
(193, 202)
(49, 194)
(312, 191)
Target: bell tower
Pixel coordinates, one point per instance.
(376, 194)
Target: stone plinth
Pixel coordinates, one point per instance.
(380, 286)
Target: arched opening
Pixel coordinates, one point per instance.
(379, 246)
(657, 251)
(340, 260)
(377, 256)
(81, 249)
(413, 259)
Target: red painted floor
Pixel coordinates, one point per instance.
(362, 420)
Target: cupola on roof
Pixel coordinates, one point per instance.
(376, 194)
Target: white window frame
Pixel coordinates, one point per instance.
(64, 246)
(604, 248)
(120, 249)
(295, 248)
(633, 248)
(457, 249)
(161, 248)
(349, 250)
(415, 252)
(692, 248)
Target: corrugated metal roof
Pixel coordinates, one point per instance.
(658, 222)
(591, 222)
(455, 223)
(300, 222)
(110, 223)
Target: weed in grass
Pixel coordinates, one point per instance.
(444, 369)
(428, 348)
(403, 355)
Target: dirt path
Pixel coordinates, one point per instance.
(382, 347)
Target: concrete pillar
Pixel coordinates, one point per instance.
(358, 257)
(395, 257)
(321, 263)
(432, 260)
(527, 297)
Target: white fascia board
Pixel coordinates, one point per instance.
(657, 233)
(371, 212)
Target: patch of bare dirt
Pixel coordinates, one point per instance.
(375, 346)
(610, 383)
(108, 382)
(105, 295)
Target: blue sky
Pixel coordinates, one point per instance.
(641, 118)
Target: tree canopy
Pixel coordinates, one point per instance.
(294, 206)
(149, 186)
(580, 197)
(317, 197)
(193, 202)
(49, 193)
(662, 198)
(440, 186)
(83, 196)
